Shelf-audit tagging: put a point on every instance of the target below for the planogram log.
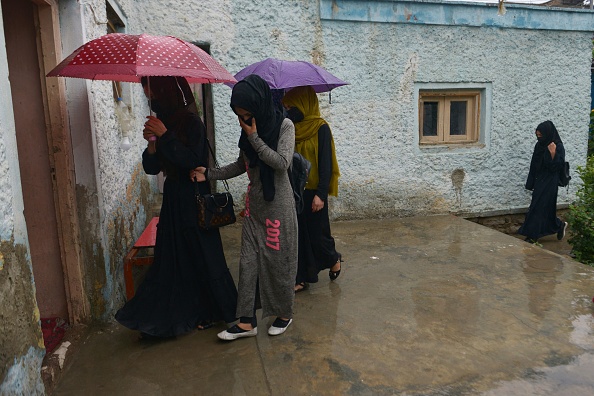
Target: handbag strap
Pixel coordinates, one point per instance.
(210, 150)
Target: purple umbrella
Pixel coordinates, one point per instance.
(282, 74)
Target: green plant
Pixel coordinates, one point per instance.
(581, 215)
(591, 135)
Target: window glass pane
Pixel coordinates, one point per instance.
(430, 118)
(458, 117)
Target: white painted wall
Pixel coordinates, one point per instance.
(9, 165)
(535, 75)
(12, 219)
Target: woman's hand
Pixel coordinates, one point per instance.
(552, 149)
(151, 139)
(155, 126)
(317, 204)
(198, 174)
(147, 135)
(248, 129)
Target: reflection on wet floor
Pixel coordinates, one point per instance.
(424, 306)
(541, 276)
(447, 305)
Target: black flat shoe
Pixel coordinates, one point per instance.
(334, 274)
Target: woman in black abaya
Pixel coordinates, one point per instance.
(313, 140)
(547, 161)
(189, 284)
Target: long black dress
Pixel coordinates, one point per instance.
(541, 219)
(189, 280)
(317, 249)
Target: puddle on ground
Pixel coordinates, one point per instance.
(573, 379)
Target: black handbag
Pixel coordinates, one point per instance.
(214, 209)
(298, 174)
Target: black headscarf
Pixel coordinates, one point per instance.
(172, 97)
(173, 102)
(549, 134)
(253, 94)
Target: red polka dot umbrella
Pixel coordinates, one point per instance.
(125, 57)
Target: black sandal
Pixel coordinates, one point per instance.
(334, 274)
(205, 324)
(304, 286)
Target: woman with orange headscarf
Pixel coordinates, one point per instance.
(313, 140)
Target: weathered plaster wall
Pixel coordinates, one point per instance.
(21, 342)
(127, 193)
(6, 206)
(533, 75)
(125, 196)
(114, 196)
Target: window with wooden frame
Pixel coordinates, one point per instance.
(449, 116)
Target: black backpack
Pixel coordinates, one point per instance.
(298, 174)
(564, 176)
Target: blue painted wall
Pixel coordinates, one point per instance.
(518, 16)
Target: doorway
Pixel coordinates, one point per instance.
(31, 32)
(34, 161)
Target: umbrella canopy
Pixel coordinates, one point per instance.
(282, 74)
(125, 57)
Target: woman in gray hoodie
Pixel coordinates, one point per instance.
(268, 261)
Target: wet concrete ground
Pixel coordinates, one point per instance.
(424, 306)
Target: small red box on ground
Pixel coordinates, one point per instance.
(146, 240)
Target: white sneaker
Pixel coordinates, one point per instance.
(278, 330)
(236, 332)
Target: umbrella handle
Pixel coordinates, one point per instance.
(152, 138)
